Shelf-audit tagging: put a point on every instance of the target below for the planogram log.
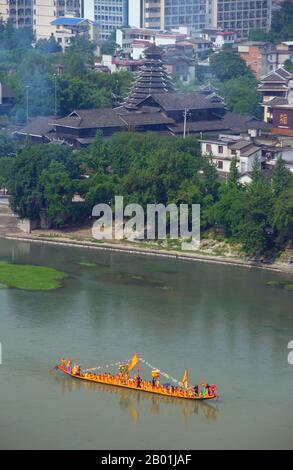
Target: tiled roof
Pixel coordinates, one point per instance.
(231, 122)
(277, 101)
(190, 100)
(278, 75)
(91, 119)
(40, 126)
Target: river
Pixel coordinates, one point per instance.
(223, 323)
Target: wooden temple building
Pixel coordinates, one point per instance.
(151, 105)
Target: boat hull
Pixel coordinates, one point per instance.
(156, 392)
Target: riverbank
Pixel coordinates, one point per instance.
(135, 248)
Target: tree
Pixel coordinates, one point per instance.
(48, 46)
(283, 216)
(7, 145)
(27, 186)
(97, 154)
(241, 95)
(233, 177)
(255, 228)
(57, 189)
(282, 178)
(259, 35)
(225, 65)
(228, 212)
(256, 173)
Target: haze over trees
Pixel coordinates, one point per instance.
(34, 73)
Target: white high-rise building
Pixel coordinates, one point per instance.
(112, 14)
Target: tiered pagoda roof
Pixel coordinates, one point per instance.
(152, 78)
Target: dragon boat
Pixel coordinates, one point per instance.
(123, 379)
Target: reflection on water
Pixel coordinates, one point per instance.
(130, 399)
(223, 323)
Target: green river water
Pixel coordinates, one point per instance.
(223, 323)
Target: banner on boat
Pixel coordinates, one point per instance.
(133, 362)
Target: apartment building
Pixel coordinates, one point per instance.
(154, 14)
(241, 16)
(191, 13)
(112, 14)
(38, 14)
(225, 15)
(20, 12)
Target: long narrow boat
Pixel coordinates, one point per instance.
(183, 392)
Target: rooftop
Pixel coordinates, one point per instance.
(90, 119)
(67, 21)
(190, 100)
(38, 127)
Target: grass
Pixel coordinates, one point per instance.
(22, 276)
(281, 284)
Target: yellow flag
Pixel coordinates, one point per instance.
(185, 379)
(133, 362)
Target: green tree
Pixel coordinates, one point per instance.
(255, 227)
(28, 193)
(282, 178)
(226, 65)
(283, 216)
(233, 177)
(48, 46)
(57, 190)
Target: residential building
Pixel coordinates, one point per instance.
(191, 13)
(284, 52)
(116, 64)
(240, 16)
(38, 14)
(19, 12)
(276, 88)
(112, 14)
(125, 37)
(223, 150)
(218, 38)
(226, 15)
(265, 57)
(259, 56)
(247, 147)
(153, 14)
(282, 118)
(66, 28)
(179, 66)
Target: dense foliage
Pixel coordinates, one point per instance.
(236, 83)
(147, 168)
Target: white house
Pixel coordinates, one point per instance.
(64, 28)
(222, 151)
(219, 38)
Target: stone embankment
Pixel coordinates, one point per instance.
(8, 221)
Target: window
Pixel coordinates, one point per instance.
(220, 165)
(283, 120)
(220, 149)
(208, 147)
